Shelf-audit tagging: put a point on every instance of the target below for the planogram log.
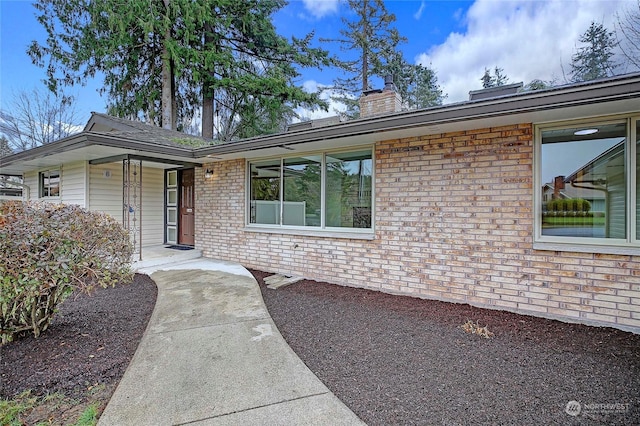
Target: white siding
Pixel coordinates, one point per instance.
(105, 189)
(31, 180)
(106, 195)
(616, 206)
(152, 206)
(73, 185)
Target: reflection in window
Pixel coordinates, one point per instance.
(265, 192)
(302, 180)
(50, 183)
(332, 190)
(348, 200)
(584, 182)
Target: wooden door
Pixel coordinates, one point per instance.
(187, 222)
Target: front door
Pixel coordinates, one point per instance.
(187, 226)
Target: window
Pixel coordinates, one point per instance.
(637, 191)
(316, 191)
(349, 189)
(50, 183)
(588, 177)
(171, 205)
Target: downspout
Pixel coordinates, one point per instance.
(606, 197)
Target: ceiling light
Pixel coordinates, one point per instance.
(584, 132)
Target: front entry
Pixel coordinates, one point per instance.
(186, 227)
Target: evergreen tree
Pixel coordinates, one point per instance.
(595, 59)
(537, 84)
(497, 79)
(500, 78)
(417, 85)
(423, 90)
(374, 40)
(164, 59)
(5, 149)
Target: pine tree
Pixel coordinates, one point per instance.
(423, 90)
(537, 84)
(497, 79)
(374, 40)
(164, 59)
(5, 149)
(595, 59)
(487, 80)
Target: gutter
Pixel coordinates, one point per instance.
(87, 139)
(593, 92)
(549, 99)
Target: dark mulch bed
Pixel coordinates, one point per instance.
(402, 360)
(89, 343)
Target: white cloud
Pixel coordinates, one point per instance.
(528, 39)
(418, 13)
(320, 8)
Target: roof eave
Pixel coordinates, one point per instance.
(86, 139)
(554, 98)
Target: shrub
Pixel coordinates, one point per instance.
(568, 205)
(48, 252)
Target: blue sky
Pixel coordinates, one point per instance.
(527, 38)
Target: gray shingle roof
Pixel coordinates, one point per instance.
(106, 124)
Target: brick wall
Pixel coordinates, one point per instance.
(454, 222)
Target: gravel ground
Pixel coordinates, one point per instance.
(401, 360)
(391, 359)
(85, 351)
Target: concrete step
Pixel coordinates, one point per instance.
(276, 281)
(157, 256)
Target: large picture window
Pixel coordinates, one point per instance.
(588, 176)
(50, 183)
(316, 191)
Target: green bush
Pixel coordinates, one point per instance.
(568, 205)
(48, 252)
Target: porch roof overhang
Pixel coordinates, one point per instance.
(617, 95)
(96, 148)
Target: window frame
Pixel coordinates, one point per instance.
(322, 230)
(630, 245)
(45, 174)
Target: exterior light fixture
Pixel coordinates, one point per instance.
(208, 174)
(584, 132)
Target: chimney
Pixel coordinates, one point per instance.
(558, 185)
(380, 102)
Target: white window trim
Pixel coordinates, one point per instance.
(318, 231)
(628, 246)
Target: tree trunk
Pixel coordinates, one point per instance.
(168, 95)
(365, 47)
(365, 71)
(207, 92)
(207, 114)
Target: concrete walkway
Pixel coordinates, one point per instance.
(211, 355)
